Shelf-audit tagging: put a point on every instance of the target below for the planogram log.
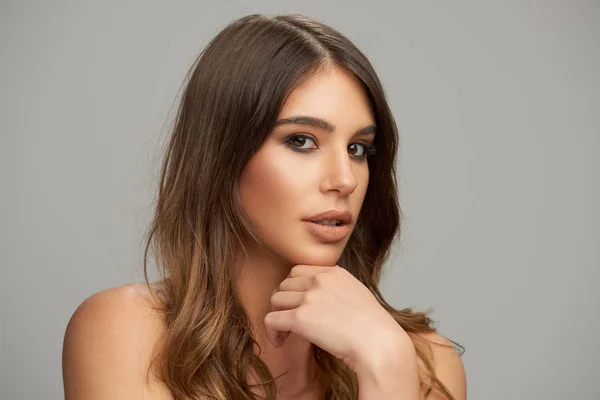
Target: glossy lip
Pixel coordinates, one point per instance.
(344, 216)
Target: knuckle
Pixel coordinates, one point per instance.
(300, 316)
(295, 270)
(321, 279)
(310, 297)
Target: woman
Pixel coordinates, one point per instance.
(276, 211)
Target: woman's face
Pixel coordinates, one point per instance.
(292, 178)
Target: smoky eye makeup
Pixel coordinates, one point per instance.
(304, 143)
(297, 141)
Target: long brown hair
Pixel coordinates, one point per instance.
(233, 94)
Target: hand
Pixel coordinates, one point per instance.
(329, 307)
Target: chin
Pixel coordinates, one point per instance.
(322, 255)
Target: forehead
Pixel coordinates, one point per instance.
(334, 95)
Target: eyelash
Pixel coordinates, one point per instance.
(369, 148)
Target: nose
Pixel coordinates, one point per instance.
(339, 173)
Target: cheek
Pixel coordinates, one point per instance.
(362, 177)
(271, 188)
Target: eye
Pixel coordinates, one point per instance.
(358, 150)
(361, 149)
(296, 142)
(364, 150)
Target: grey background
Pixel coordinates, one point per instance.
(497, 105)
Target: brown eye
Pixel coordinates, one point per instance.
(364, 150)
(297, 142)
(361, 149)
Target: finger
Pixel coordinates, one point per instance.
(296, 284)
(280, 340)
(284, 300)
(272, 334)
(300, 270)
(277, 322)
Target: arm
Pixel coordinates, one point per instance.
(390, 375)
(107, 348)
(394, 373)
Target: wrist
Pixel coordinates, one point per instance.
(380, 360)
(389, 372)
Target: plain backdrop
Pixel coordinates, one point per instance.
(498, 109)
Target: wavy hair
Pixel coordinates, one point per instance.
(233, 94)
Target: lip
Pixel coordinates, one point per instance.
(328, 233)
(344, 216)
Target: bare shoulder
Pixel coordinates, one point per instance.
(109, 343)
(449, 367)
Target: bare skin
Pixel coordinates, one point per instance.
(280, 187)
(111, 337)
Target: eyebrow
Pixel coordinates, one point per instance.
(321, 124)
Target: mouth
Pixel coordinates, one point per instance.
(330, 226)
(332, 218)
(328, 222)
(328, 233)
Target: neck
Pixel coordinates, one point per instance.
(260, 273)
